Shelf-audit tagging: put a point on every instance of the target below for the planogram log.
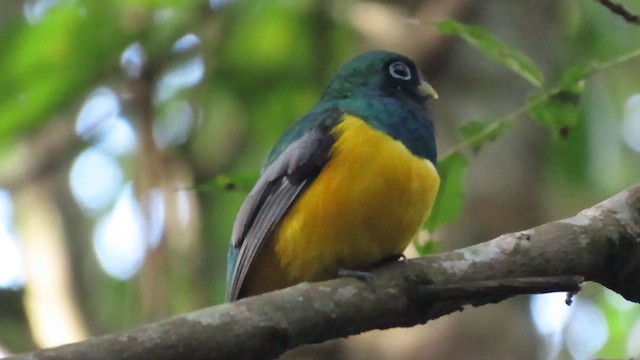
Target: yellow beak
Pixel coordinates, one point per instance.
(427, 90)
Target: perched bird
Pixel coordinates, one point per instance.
(346, 187)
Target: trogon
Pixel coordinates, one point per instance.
(346, 187)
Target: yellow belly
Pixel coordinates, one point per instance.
(366, 205)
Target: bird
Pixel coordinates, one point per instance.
(346, 188)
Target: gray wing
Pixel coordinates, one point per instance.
(274, 193)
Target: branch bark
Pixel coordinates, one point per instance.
(600, 244)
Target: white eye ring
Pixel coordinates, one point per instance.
(400, 70)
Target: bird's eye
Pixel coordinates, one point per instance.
(400, 70)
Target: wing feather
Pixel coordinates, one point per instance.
(274, 193)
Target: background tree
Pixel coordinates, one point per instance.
(116, 116)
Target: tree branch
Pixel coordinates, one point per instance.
(621, 11)
(599, 244)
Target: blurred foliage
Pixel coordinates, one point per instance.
(479, 133)
(265, 63)
(496, 49)
(43, 67)
(620, 317)
(448, 205)
(556, 108)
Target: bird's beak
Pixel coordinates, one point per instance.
(427, 90)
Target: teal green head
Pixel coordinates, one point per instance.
(379, 74)
(387, 91)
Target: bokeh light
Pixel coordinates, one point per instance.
(587, 330)
(95, 178)
(118, 137)
(119, 237)
(631, 122)
(550, 313)
(132, 60)
(186, 43)
(34, 10)
(185, 74)
(173, 126)
(633, 341)
(12, 271)
(100, 107)
(155, 219)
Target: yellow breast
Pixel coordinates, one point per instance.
(366, 205)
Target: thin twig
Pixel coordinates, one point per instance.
(619, 9)
(502, 288)
(511, 117)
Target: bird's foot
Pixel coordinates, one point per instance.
(398, 258)
(390, 259)
(364, 276)
(358, 274)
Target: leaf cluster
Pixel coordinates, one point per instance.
(553, 106)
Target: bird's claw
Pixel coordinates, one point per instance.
(363, 276)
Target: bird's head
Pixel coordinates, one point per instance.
(379, 73)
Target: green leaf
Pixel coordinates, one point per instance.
(573, 78)
(427, 247)
(480, 133)
(45, 66)
(448, 206)
(621, 317)
(558, 113)
(495, 48)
